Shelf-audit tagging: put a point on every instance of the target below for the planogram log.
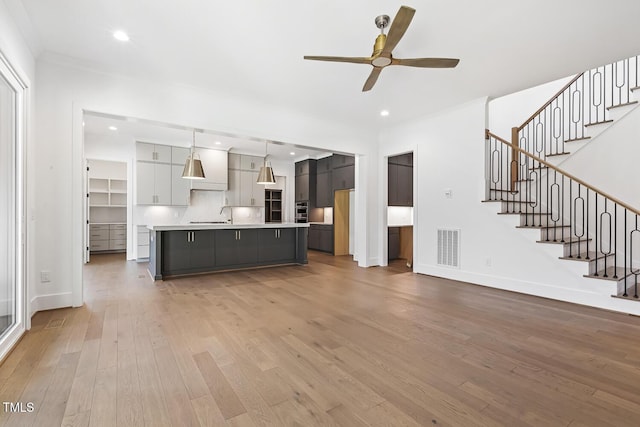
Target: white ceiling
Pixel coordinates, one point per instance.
(254, 48)
(122, 131)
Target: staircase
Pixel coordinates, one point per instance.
(589, 226)
(586, 106)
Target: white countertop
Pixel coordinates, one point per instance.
(225, 226)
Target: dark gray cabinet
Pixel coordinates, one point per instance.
(321, 237)
(340, 160)
(187, 251)
(276, 245)
(324, 190)
(236, 247)
(393, 243)
(400, 180)
(302, 188)
(325, 164)
(180, 252)
(343, 178)
(305, 181)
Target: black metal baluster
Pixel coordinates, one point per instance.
(615, 242)
(596, 232)
(586, 213)
(625, 254)
(571, 220)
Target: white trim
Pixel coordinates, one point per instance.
(14, 77)
(583, 295)
(51, 301)
(77, 206)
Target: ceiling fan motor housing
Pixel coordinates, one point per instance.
(380, 61)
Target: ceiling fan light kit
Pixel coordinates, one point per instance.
(383, 47)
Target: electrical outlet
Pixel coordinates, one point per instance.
(448, 194)
(487, 262)
(45, 276)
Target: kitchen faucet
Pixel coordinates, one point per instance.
(230, 219)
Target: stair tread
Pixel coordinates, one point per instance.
(629, 296)
(504, 191)
(508, 201)
(559, 154)
(583, 256)
(598, 123)
(611, 271)
(566, 242)
(624, 104)
(538, 167)
(537, 227)
(523, 213)
(584, 138)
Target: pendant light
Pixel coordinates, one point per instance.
(266, 172)
(193, 166)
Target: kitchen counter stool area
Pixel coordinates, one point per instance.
(192, 249)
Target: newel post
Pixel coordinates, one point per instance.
(515, 155)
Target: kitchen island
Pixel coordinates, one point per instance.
(177, 250)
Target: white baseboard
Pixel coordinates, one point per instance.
(51, 301)
(573, 295)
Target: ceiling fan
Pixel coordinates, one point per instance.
(384, 45)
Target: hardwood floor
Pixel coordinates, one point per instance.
(323, 344)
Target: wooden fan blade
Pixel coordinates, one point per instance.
(398, 28)
(354, 60)
(427, 62)
(373, 77)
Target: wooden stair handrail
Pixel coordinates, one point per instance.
(533, 116)
(488, 135)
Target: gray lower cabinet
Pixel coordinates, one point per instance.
(321, 237)
(181, 252)
(236, 247)
(187, 251)
(276, 245)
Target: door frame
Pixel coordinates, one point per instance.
(20, 85)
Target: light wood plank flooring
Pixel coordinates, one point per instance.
(323, 344)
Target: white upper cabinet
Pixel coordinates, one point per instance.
(215, 166)
(250, 163)
(179, 155)
(243, 176)
(180, 187)
(146, 152)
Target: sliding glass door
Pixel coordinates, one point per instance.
(7, 206)
(12, 231)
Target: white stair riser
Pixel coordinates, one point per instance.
(576, 247)
(514, 206)
(630, 286)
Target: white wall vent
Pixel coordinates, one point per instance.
(449, 248)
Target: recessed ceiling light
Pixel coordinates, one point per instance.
(292, 153)
(121, 36)
(113, 128)
(217, 143)
(384, 113)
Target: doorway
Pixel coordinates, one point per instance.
(400, 210)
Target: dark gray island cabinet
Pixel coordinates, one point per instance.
(191, 249)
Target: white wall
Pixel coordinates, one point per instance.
(615, 149)
(512, 110)
(65, 91)
(449, 154)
